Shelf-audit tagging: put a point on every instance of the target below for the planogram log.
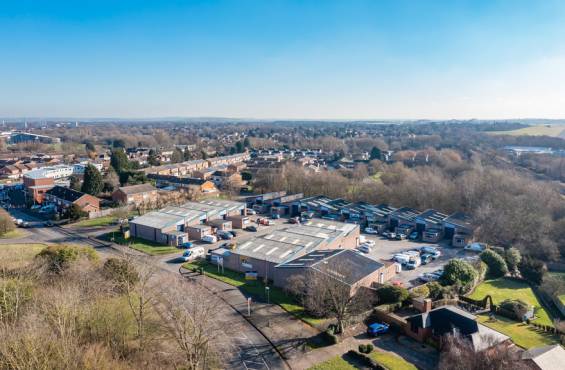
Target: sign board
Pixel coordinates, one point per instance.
(251, 275)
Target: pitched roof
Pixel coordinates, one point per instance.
(550, 357)
(67, 194)
(137, 189)
(347, 266)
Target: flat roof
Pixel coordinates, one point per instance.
(157, 220)
(432, 216)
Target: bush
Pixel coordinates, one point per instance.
(6, 223)
(435, 290)
(458, 272)
(392, 294)
(532, 270)
(369, 348)
(420, 291)
(331, 337)
(496, 265)
(514, 309)
(513, 258)
(121, 272)
(60, 257)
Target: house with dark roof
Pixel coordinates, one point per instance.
(135, 194)
(191, 184)
(63, 198)
(550, 357)
(347, 266)
(445, 320)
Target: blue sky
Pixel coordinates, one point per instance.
(283, 59)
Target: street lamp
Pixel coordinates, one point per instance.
(267, 291)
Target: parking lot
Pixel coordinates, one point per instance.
(384, 249)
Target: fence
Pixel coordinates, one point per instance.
(107, 212)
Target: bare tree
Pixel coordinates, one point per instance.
(191, 319)
(325, 293)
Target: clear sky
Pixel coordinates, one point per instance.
(283, 59)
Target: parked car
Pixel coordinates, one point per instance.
(413, 263)
(48, 224)
(275, 216)
(251, 228)
(475, 247)
(370, 243)
(413, 235)
(391, 236)
(426, 258)
(401, 258)
(186, 245)
(233, 233)
(365, 248)
(191, 254)
(370, 230)
(400, 236)
(427, 277)
(210, 239)
(377, 328)
(294, 220)
(250, 211)
(225, 236)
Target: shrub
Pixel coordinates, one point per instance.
(420, 291)
(515, 308)
(392, 294)
(513, 258)
(435, 290)
(496, 264)
(121, 272)
(458, 272)
(60, 257)
(369, 348)
(6, 223)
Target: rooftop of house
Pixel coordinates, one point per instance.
(450, 319)
(137, 189)
(67, 194)
(431, 216)
(550, 357)
(177, 179)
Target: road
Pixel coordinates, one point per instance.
(243, 347)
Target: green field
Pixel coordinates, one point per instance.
(335, 363)
(536, 130)
(523, 335)
(501, 289)
(391, 361)
(257, 289)
(145, 246)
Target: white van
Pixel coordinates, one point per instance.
(365, 248)
(402, 258)
(209, 239)
(193, 253)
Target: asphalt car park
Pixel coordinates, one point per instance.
(385, 249)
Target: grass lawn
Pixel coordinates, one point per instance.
(501, 289)
(100, 221)
(18, 255)
(142, 245)
(391, 361)
(14, 234)
(522, 334)
(256, 288)
(336, 363)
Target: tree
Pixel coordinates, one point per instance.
(239, 147)
(74, 212)
(392, 294)
(152, 158)
(513, 258)
(75, 183)
(246, 143)
(121, 272)
(119, 143)
(92, 183)
(6, 223)
(119, 161)
(246, 176)
(496, 264)
(111, 181)
(191, 319)
(325, 296)
(187, 155)
(532, 270)
(375, 153)
(178, 156)
(458, 272)
(89, 146)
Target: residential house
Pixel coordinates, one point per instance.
(191, 184)
(64, 197)
(136, 194)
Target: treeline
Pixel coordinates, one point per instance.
(509, 208)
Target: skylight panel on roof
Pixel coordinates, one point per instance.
(245, 245)
(271, 251)
(258, 248)
(309, 244)
(269, 237)
(285, 254)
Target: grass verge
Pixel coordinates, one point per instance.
(501, 289)
(256, 288)
(391, 361)
(18, 255)
(335, 363)
(142, 245)
(14, 234)
(523, 335)
(96, 222)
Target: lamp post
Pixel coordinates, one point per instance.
(267, 291)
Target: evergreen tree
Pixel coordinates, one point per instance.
(239, 147)
(111, 181)
(246, 143)
(92, 183)
(89, 146)
(119, 161)
(375, 153)
(178, 156)
(152, 158)
(75, 182)
(187, 155)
